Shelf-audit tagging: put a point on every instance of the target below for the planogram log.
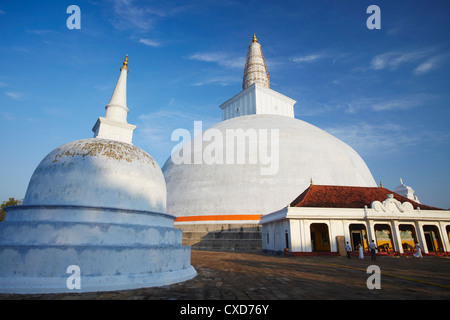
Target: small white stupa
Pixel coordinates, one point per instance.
(406, 191)
(94, 217)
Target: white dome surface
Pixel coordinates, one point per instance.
(100, 173)
(305, 152)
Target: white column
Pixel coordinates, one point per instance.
(371, 231)
(421, 236)
(346, 231)
(396, 238)
(307, 233)
(294, 236)
(301, 227)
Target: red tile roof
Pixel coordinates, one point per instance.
(348, 197)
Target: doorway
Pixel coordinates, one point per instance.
(320, 238)
(358, 236)
(432, 238)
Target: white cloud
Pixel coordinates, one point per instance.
(150, 43)
(221, 59)
(427, 60)
(393, 60)
(429, 64)
(14, 95)
(352, 106)
(7, 116)
(307, 58)
(41, 31)
(128, 15)
(223, 81)
(368, 139)
(396, 104)
(141, 15)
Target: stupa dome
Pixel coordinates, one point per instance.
(98, 173)
(304, 152)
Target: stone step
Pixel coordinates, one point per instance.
(225, 244)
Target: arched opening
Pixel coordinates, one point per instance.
(320, 238)
(358, 235)
(432, 238)
(383, 237)
(408, 237)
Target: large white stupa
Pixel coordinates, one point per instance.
(94, 217)
(279, 155)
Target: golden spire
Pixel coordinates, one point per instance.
(254, 38)
(125, 63)
(311, 181)
(381, 184)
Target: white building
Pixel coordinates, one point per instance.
(323, 218)
(95, 207)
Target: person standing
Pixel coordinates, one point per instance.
(418, 253)
(361, 252)
(373, 251)
(349, 249)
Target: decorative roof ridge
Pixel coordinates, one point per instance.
(311, 197)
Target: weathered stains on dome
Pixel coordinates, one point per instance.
(102, 148)
(98, 172)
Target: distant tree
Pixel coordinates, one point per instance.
(10, 202)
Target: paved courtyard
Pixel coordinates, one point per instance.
(258, 276)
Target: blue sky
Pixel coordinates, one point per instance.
(384, 92)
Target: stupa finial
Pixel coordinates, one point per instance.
(114, 125)
(125, 63)
(255, 66)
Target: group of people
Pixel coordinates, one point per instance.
(373, 250)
